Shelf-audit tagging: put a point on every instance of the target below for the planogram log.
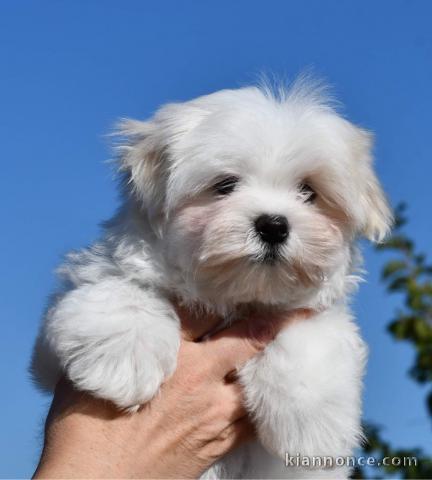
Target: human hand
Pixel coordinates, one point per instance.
(197, 417)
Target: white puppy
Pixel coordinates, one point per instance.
(239, 199)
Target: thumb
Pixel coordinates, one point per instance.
(234, 346)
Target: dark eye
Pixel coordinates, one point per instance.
(307, 193)
(226, 186)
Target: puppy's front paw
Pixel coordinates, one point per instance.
(303, 391)
(115, 341)
(113, 370)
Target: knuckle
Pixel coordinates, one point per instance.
(219, 446)
(207, 431)
(227, 437)
(254, 344)
(224, 435)
(215, 412)
(261, 334)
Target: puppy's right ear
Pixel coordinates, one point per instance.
(144, 148)
(142, 158)
(145, 152)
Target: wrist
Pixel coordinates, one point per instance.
(79, 445)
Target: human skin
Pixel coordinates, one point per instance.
(197, 417)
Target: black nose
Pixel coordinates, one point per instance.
(272, 229)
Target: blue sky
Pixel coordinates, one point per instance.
(69, 69)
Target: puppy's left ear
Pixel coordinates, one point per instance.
(376, 217)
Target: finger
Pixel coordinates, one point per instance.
(232, 399)
(234, 346)
(232, 436)
(195, 325)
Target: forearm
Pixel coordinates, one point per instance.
(89, 438)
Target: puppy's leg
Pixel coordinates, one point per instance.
(304, 389)
(114, 339)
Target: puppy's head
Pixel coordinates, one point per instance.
(255, 196)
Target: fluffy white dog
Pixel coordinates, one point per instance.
(239, 199)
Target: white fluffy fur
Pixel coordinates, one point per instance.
(112, 327)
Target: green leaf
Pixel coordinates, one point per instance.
(429, 403)
(398, 329)
(423, 331)
(398, 242)
(410, 275)
(399, 283)
(393, 267)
